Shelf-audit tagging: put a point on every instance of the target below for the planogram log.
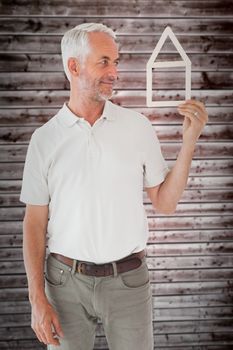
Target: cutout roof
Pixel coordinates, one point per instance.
(151, 64)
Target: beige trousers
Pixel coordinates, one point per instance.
(122, 303)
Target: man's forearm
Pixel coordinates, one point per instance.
(172, 188)
(34, 245)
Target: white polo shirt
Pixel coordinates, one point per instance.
(92, 178)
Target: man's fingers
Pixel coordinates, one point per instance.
(49, 335)
(40, 335)
(194, 106)
(200, 116)
(195, 103)
(45, 335)
(57, 327)
(190, 108)
(192, 117)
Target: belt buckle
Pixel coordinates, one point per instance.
(79, 268)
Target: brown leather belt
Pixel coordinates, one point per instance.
(128, 263)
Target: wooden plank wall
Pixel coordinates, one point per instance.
(191, 251)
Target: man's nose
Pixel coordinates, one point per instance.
(113, 72)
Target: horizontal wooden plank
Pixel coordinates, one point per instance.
(37, 117)
(127, 80)
(183, 208)
(217, 167)
(178, 249)
(49, 62)
(165, 133)
(16, 294)
(129, 98)
(11, 263)
(192, 203)
(169, 237)
(47, 43)
(121, 8)
(194, 182)
(188, 262)
(196, 209)
(188, 223)
(57, 25)
(214, 338)
(156, 250)
(164, 222)
(161, 288)
(36, 345)
(200, 213)
(17, 152)
(138, 98)
(176, 236)
(12, 298)
(11, 241)
(160, 315)
(23, 344)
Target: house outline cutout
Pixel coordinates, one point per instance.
(167, 64)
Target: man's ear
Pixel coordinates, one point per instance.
(73, 66)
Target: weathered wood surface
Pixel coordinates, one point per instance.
(127, 80)
(33, 344)
(192, 208)
(188, 339)
(220, 250)
(9, 239)
(197, 268)
(127, 98)
(17, 152)
(14, 300)
(166, 133)
(161, 287)
(122, 8)
(218, 167)
(45, 43)
(38, 116)
(47, 62)
(159, 315)
(126, 26)
(212, 201)
(8, 309)
(194, 182)
(161, 222)
(190, 253)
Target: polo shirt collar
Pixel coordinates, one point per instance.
(68, 118)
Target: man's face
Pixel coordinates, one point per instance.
(98, 73)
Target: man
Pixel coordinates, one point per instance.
(85, 171)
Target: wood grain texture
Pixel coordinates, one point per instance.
(127, 80)
(122, 8)
(190, 252)
(165, 133)
(152, 26)
(125, 98)
(141, 43)
(20, 116)
(16, 152)
(48, 62)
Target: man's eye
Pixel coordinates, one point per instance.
(105, 62)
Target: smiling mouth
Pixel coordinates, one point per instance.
(106, 83)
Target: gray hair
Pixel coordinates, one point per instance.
(75, 42)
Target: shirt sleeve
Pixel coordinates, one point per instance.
(34, 188)
(155, 166)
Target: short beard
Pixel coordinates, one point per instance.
(100, 97)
